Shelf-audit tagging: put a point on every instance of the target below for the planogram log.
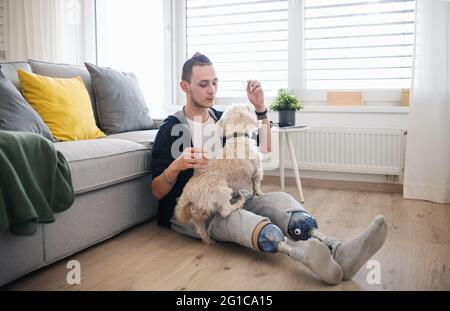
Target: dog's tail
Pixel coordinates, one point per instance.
(182, 211)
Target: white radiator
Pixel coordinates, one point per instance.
(373, 151)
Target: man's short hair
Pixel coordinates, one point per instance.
(197, 60)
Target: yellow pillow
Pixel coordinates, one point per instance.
(63, 104)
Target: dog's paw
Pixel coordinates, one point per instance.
(225, 212)
(258, 193)
(240, 204)
(208, 241)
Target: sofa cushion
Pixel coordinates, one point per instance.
(145, 138)
(10, 71)
(16, 114)
(99, 163)
(63, 104)
(65, 71)
(120, 104)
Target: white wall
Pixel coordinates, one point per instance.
(2, 45)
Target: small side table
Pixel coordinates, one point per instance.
(286, 132)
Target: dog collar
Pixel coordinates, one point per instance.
(235, 135)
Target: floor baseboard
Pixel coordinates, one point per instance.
(338, 184)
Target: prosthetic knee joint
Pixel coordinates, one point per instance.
(301, 225)
(269, 237)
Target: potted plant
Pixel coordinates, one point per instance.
(286, 105)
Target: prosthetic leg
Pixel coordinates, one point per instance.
(303, 226)
(311, 253)
(351, 254)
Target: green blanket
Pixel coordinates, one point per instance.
(35, 182)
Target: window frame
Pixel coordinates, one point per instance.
(296, 81)
(296, 64)
(178, 26)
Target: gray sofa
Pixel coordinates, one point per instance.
(111, 179)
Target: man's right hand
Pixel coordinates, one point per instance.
(190, 158)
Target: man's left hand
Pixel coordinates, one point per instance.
(255, 95)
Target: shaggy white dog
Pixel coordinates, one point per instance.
(217, 188)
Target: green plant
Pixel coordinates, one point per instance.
(285, 102)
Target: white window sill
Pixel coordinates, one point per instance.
(161, 115)
(366, 109)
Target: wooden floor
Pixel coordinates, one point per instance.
(416, 255)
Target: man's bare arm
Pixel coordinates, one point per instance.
(162, 184)
(255, 94)
(265, 137)
(190, 158)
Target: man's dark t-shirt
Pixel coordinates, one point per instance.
(162, 158)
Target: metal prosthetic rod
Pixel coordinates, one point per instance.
(285, 248)
(315, 233)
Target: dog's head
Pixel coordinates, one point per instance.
(239, 118)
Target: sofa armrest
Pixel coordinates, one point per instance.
(157, 122)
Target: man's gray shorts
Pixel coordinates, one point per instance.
(243, 226)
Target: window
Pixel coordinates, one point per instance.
(308, 46)
(131, 36)
(245, 39)
(358, 44)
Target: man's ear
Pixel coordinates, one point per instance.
(184, 86)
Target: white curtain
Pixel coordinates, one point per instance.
(49, 30)
(427, 166)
